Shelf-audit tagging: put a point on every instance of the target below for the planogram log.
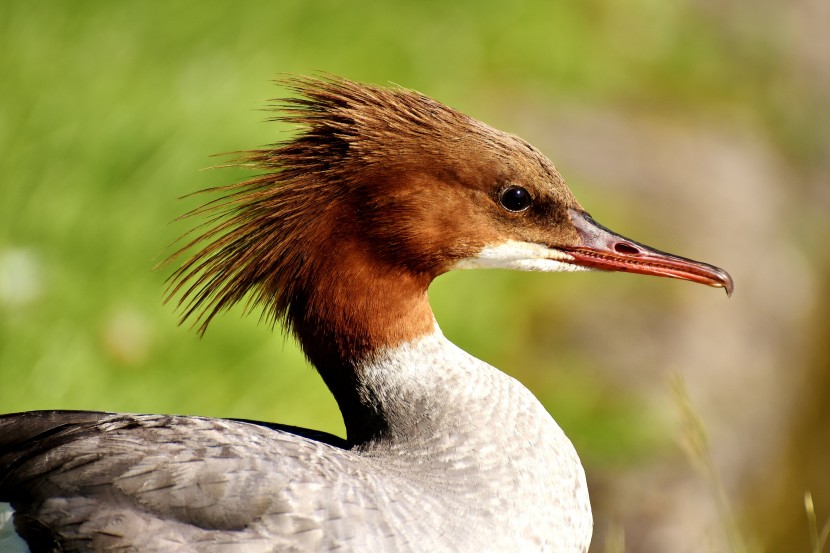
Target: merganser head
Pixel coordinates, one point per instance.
(389, 185)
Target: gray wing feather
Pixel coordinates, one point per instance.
(102, 482)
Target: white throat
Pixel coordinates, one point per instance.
(521, 256)
(463, 426)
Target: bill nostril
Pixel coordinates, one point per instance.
(626, 249)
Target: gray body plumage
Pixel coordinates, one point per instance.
(472, 462)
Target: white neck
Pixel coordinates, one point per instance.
(478, 434)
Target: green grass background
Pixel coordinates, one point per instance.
(108, 111)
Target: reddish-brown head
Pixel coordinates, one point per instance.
(381, 191)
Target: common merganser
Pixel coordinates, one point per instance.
(381, 191)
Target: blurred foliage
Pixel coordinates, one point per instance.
(110, 108)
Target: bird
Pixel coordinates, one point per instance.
(379, 190)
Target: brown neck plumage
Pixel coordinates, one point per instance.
(295, 241)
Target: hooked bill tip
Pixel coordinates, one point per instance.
(727, 283)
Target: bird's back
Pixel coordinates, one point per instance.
(95, 481)
(88, 481)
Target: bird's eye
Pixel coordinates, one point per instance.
(515, 198)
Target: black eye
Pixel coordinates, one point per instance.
(515, 198)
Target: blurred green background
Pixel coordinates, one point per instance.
(698, 127)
